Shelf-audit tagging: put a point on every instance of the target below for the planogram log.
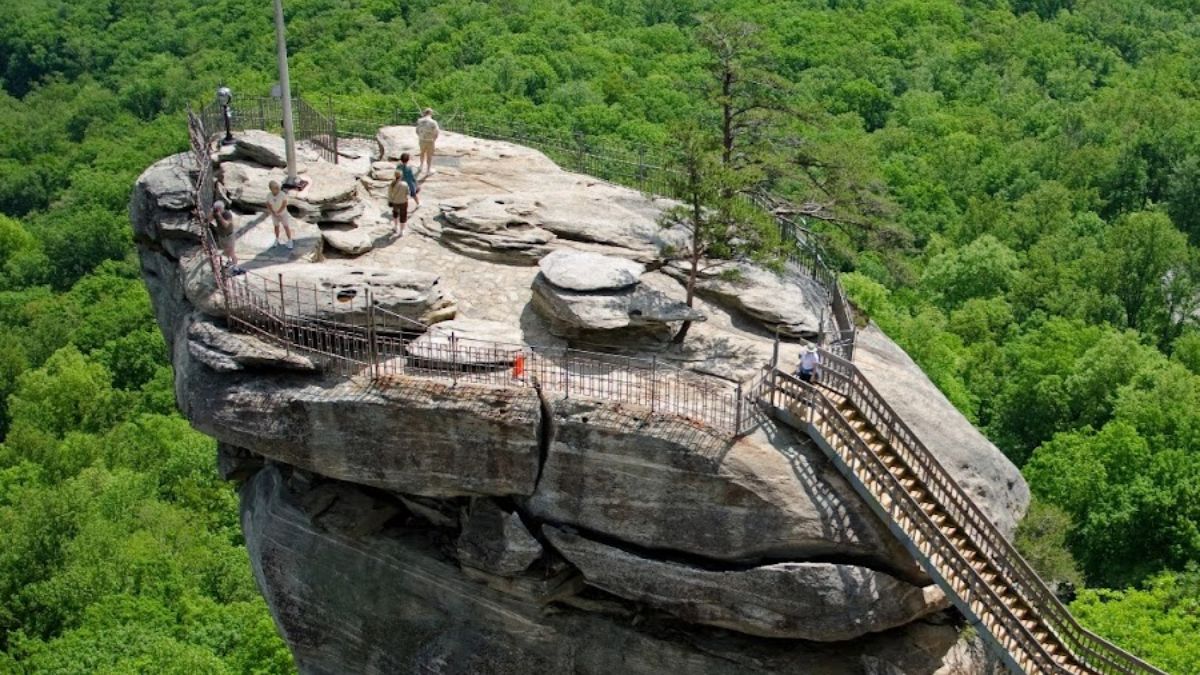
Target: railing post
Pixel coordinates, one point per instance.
(372, 350)
(453, 359)
(567, 373)
(775, 350)
(737, 417)
(287, 342)
(653, 381)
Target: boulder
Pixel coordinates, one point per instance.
(228, 352)
(825, 602)
(640, 307)
(583, 271)
(383, 170)
(339, 293)
(476, 342)
(260, 147)
(329, 196)
(356, 240)
(987, 476)
(570, 214)
(791, 302)
(495, 541)
(391, 602)
(517, 245)
(394, 141)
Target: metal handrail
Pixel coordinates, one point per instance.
(975, 587)
(847, 380)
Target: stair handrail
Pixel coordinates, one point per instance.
(999, 550)
(941, 544)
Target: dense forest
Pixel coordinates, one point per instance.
(1011, 188)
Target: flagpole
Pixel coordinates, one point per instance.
(285, 93)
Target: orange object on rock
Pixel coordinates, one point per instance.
(519, 365)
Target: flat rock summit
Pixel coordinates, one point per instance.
(416, 523)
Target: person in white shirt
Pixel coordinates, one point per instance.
(810, 360)
(277, 204)
(427, 134)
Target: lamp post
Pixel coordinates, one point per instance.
(224, 98)
(285, 94)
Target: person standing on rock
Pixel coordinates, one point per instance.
(810, 360)
(427, 134)
(277, 205)
(410, 180)
(222, 223)
(398, 192)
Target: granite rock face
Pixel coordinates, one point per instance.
(811, 601)
(389, 602)
(402, 520)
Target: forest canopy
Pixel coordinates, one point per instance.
(1011, 189)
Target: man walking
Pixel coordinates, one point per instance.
(810, 360)
(427, 134)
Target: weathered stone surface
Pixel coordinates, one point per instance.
(390, 603)
(357, 240)
(495, 541)
(991, 480)
(566, 214)
(476, 341)
(418, 437)
(162, 199)
(260, 147)
(228, 352)
(640, 307)
(341, 291)
(792, 302)
(330, 196)
(665, 484)
(584, 271)
(810, 601)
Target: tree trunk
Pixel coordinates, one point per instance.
(691, 296)
(727, 118)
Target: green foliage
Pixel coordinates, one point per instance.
(1010, 189)
(1158, 623)
(1042, 540)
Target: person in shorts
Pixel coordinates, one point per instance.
(410, 180)
(427, 134)
(398, 199)
(223, 227)
(277, 206)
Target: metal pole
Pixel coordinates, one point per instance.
(372, 352)
(285, 94)
(453, 359)
(653, 378)
(287, 343)
(737, 419)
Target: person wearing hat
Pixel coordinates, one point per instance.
(810, 360)
(427, 134)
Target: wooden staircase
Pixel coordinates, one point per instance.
(956, 544)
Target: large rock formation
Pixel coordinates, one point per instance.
(407, 519)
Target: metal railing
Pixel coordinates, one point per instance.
(347, 332)
(266, 113)
(854, 455)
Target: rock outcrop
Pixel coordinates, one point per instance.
(810, 601)
(401, 518)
